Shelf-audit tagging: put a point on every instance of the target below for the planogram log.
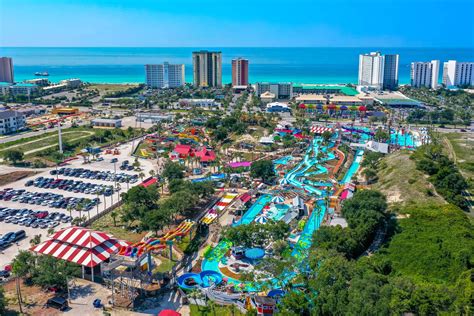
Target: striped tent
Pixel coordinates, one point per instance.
(261, 219)
(320, 129)
(83, 246)
(278, 199)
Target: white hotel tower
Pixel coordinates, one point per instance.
(425, 74)
(164, 76)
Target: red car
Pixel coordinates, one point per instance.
(41, 214)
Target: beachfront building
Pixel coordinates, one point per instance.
(371, 70)
(11, 122)
(377, 71)
(161, 76)
(71, 83)
(424, 74)
(207, 69)
(458, 73)
(6, 70)
(390, 72)
(282, 90)
(240, 72)
(40, 82)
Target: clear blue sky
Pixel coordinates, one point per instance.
(414, 23)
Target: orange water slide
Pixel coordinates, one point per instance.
(341, 157)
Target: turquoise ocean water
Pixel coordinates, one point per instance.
(298, 65)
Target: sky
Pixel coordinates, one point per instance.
(242, 23)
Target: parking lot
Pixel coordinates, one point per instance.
(55, 192)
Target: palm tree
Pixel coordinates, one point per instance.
(114, 217)
(152, 173)
(141, 175)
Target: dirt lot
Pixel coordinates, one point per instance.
(15, 176)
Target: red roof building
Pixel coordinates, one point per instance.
(183, 150)
(206, 155)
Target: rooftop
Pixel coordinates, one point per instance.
(343, 89)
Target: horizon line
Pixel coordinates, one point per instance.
(215, 47)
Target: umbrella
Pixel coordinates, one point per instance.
(278, 199)
(302, 106)
(261, 219)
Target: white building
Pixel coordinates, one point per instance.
(282, 90)
(425, 74)
(107, 123)
(371, 70)
(165, 75)
(41, 82)
(23, 89)
(458, 73)
(72, 83)
(11, 122)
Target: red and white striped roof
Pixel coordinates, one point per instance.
(320, 129)
(80, 245)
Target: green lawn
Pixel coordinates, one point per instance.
(106, 224)
(165, 266)
(215, 311)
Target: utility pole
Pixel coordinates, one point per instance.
(60, 137)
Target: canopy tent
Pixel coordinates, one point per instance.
(261, 219)
(83, 246)
(278, 199)
(320, 129)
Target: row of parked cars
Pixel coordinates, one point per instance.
(75, 186)
(47, 199)
(35, 219)
(95, 175)
(9, 238)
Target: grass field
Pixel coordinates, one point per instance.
(461, 151)
(106, 224)
(105, 88)
(402, 183)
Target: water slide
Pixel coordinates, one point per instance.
(354, 167)
(254, 210)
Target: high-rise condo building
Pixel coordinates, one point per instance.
(390, 72)
(6, 70)
(458, 73)
(164, 75)
(371, 70)
(425, 74)
(240, 72)
(378, 71)
(207, 69)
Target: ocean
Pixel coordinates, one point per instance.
(297, 65)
